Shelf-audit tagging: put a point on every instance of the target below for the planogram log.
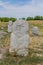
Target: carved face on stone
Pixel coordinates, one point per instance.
(20, 28)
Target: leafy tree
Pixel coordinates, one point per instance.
(6, 19)
(23, 18)
(29, 18)
(13, 19)
(37, 18)
(41, 17)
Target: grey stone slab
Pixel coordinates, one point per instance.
(19, 40)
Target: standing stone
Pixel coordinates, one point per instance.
(10, 26)
(35, 30)
(19, 40)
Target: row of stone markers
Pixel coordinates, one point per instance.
(19, 40)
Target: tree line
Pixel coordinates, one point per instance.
(6, 19)
(33, 18)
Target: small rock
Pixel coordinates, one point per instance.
(35, 31)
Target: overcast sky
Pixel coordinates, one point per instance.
(21, 8)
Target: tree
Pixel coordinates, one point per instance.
(6, 19)
(37, 18)
(29, 18)
(13, 19)
(23, 18)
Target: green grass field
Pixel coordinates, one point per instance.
(35, 55)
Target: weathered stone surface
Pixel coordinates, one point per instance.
(19, 40)
(10, 26)
(35, 30)
(20, 28)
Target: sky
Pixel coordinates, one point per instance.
(21, 8)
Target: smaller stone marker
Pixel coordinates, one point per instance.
(35, 30)
(10, 26)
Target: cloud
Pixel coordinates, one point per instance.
(31, 8)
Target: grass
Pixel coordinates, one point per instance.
(35, 47)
